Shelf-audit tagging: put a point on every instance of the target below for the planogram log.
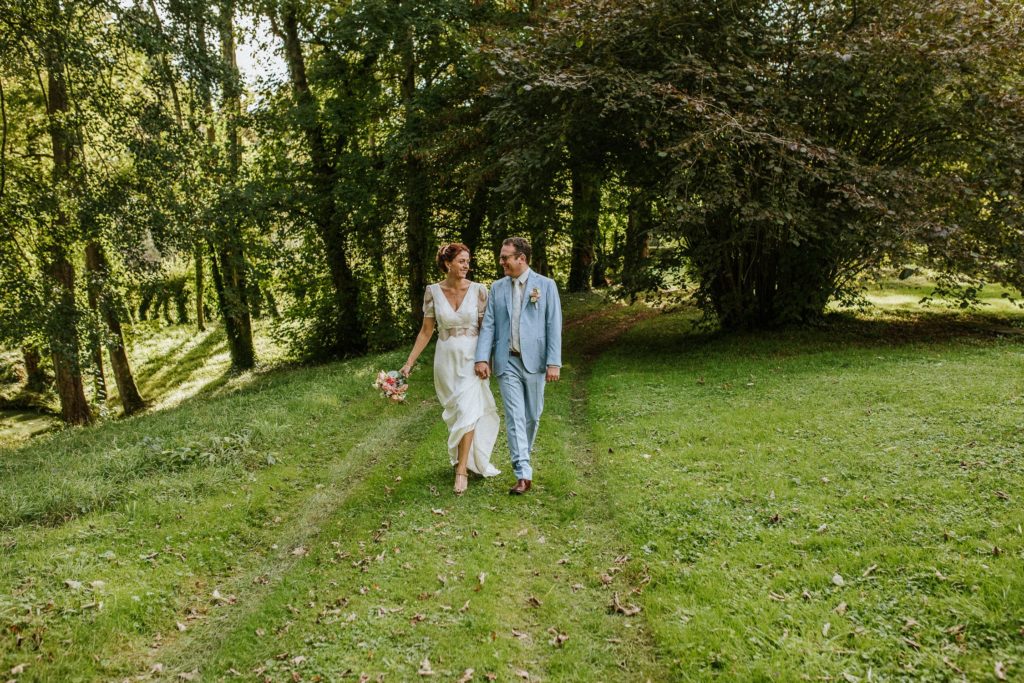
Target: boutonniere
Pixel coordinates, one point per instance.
(534, 296)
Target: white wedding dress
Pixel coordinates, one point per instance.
(466, 399)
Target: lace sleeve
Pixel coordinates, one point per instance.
(481, 304)
(428, 303)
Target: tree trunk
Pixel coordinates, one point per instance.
(232, 251)
(268, 292)
(539, 214)
(200, 289)
(757, 282)
(92, 286)
(218, 282)
(636, 253)
(418, 232)
(349, 333)
(475, 220)
(98, 269)
(585, 230)
(35, 379)
(64, 341)
(63, 325)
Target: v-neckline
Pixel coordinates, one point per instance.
(462, 303)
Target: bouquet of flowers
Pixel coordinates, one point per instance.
(392, 385)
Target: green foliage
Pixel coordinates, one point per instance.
(789, 146)
(767, 158)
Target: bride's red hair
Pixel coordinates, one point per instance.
(448, 252)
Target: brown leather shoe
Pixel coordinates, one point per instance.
(521, 487)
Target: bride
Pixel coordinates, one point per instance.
(456, 306)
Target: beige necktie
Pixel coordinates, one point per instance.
(517, 305)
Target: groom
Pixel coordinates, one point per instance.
(522, 331)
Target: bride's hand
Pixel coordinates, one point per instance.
(405, 370)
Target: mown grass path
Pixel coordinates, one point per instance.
(400, 575)
(347, 555)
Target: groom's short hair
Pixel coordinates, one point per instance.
(521, 246)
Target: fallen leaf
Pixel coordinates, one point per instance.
(558, 638)
(260, 632)
(777, 596)
(300, 552)
(953, 630)
(910, 623)
(605, 579)
(576, 586)
(190, 676)
(464, 607)
(628, 609)
(840, 609)
(805, 595)
(491, 677)
(838, 580)
(181, 626)
(72, 584)
(825, 629)
(912, 643)
(416, 618)
(823, 528)
(156, 668)
(441, 512)
(481, 578)
(869, 570)
(425, 669)
(1003, 494)
(97, 585)
(466, 677)
(296, 661)
(850, 678)
(533, 601)
(522, 673)
(521, 635)
(18, 670)
(1000, 671)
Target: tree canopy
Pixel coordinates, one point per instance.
(760, 158)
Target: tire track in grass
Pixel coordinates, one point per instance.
(603, 646)
(302, 531)
(619, 574)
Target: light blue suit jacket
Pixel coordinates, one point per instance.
(540, 325)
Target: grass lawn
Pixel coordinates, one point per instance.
(837, 504)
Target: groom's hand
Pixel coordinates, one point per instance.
(554, 372)
(483, 369)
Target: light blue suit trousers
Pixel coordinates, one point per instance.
(522, 393)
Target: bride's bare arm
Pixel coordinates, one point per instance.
(422, 339)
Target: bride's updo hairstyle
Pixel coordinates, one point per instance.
(448, 252)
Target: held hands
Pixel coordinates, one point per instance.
(553, 374)
(482, 369)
